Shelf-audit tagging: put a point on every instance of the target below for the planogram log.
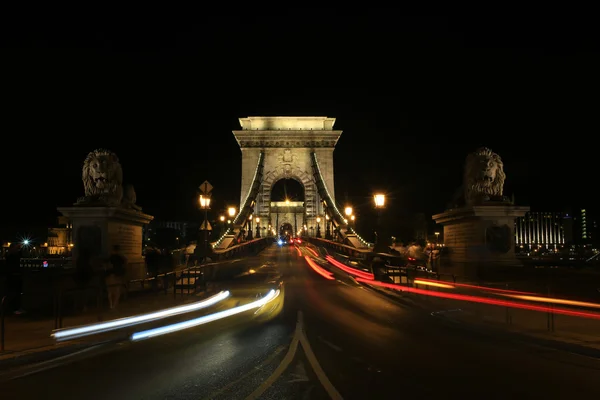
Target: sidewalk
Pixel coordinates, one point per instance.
(25, 335)
(569, 330)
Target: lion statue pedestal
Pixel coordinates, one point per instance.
(107, 215)
(479, 231)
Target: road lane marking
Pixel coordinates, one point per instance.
(299, 374)
(298, 339)
(256, 369)
(312, 359)
(278, 371)
(61, 361)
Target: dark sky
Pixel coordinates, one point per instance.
(413, 95)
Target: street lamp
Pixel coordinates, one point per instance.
(379, 200)
(348, 211)
(231, 212)
(437, 236)
(222, 219)
(257, 227)
(205, 205)
(380, 245)
(249, 236)
(318, 227)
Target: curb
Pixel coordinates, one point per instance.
(16, 359)
(494, 329)
(397, 298)
(525, 338)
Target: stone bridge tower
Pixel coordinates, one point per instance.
(287, 144)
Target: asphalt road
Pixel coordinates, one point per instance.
(333, 340)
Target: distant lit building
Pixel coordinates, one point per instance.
(60, 238)
(549, 230)
(586, 226)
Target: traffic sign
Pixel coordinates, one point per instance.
(206, 226)
(206, 187)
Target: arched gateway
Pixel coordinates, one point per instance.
(299, 148)
(287, 144)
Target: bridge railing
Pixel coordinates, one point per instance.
(253, 246)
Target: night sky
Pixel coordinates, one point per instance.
(413, 95)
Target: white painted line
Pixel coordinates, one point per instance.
(312, 359)
(287, 360)
(50, 364)
(299, 338)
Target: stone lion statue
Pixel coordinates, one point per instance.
(484, 177)
(102, 178)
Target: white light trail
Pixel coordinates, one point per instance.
(204, 319)
(85, 330)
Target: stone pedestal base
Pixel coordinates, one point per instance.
(480, 240)
(100, 228)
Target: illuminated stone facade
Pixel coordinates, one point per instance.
(60, 239)
(287, 143)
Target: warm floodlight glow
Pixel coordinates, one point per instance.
(204, 202)
(379, 200)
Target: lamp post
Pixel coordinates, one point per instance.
(327, 227)
(257, 227)
(348, 211)
(380, 242)
(205, 205)
(437, 237)
(231, 211)
(249, 236)
(318, 227)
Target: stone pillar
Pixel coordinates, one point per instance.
(479, 239)
(100, 228)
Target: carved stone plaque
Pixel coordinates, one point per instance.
(499, 239)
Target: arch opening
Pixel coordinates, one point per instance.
(286, 229)
(287, 189)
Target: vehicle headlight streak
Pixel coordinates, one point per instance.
(163, 330)
(85, 330)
